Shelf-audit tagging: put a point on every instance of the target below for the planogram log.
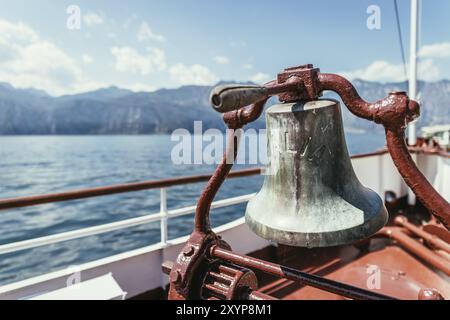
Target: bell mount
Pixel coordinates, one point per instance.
(244, 104)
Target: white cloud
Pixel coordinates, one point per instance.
(27, 60)
(260, 78)
(247, 66)
(195, 74)
(377, 71)
(384, 71)
(16, 32)
(435, 50)
(145, 33)
(221, 60)
(128, 59)
(92, 18)
(138, 87)
(85, 86)
(87, 59)
(428, 71)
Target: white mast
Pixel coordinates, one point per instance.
(412, 136)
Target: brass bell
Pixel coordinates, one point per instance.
(311, 196)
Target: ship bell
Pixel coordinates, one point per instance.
(311, 196)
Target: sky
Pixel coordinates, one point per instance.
(66, 47)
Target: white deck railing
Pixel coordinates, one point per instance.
(162, 217)
(388, 179)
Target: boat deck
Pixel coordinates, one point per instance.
(395, 262)
(402, 274)
(406, 263)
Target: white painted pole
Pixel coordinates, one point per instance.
(412, 138)
(412, 134)
(165, 215)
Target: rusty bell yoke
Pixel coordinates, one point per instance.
(309, 161)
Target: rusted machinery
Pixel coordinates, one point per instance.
(311, 196)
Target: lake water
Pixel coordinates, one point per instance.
(31, 165)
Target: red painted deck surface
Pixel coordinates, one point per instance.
(402, 275)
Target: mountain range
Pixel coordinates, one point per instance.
(118, 111)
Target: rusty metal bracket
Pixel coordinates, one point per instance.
(295, 275)
(203, 255)
(305, 83)
(191, 267)
(394, 112)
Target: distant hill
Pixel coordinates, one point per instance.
(119, 111)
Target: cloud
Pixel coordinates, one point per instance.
(87, 59)
(138, 87)
(128, 59)
(260, 78)
(92, 19)
(428, 71)
(195, 74)
(435, 50)
(377, 71)
(247, 66)
(221, 60)
(145, 33)
(27, 60)
(18, 32)
(384, 71)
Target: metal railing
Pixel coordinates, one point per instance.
(163, 216)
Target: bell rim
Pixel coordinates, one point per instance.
(320, 239)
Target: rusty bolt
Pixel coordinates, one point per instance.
(397, 93)
(175, 277)
(430, 294)
(189, 251)
(400, 220)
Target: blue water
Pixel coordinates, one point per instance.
(31, 165)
